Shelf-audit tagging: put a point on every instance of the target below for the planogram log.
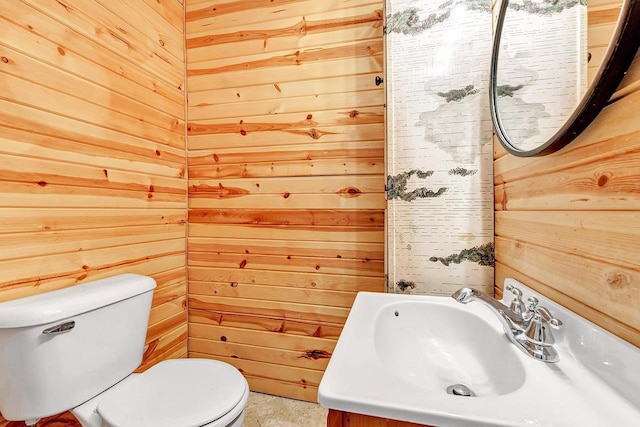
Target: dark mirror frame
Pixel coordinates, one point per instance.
(622, 49)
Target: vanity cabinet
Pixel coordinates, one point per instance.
(349, 419)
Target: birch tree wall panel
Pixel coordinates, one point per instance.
(439, 167)
(92, 153)
(286, 181)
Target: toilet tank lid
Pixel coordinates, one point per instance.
(64, 303)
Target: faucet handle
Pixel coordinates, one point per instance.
(517, 305)
(547, 317)
(536, 332)
(533, 311)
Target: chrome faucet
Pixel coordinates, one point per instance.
(526, 326)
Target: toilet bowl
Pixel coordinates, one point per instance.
(76, 349)
(173, 393)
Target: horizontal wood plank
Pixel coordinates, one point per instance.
(301, 104)
(308, 217)
(294, 359)
(346, 266)
(43, 194)
(338, 250)
(314, 280)
(284, 90)
(278, 309)
(327, 233)
(239, 187)
(252, 322)
(14, 220)
(309, 347)
(262, 292)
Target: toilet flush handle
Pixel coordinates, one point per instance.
(61, 328)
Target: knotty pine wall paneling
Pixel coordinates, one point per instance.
(286, 181)
(92, 152)
(568, 224)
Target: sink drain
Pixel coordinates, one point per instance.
(460, 390)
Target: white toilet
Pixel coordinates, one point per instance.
(76, 348)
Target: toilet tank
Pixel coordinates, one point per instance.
(61, 348)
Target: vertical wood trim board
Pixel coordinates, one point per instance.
(92, 153)
(567, 224)
(286, 181)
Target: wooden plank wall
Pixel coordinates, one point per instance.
(568, 224)
(286, 181)
(92, 151)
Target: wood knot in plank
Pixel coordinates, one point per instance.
(301, 27)
(316, 354)
(350, 192)
(618, 280)
(603, 179)
(218, 190)
(67, 8)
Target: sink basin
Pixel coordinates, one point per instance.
(419, 347)
(399, 355)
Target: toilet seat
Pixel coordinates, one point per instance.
(182, 392)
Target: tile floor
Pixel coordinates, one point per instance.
(264, 410)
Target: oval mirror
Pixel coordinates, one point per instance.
(559, 63)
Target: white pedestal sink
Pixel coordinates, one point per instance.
(399, 355)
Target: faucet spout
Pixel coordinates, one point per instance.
(513, 322)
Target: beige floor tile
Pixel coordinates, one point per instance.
(264, 410)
